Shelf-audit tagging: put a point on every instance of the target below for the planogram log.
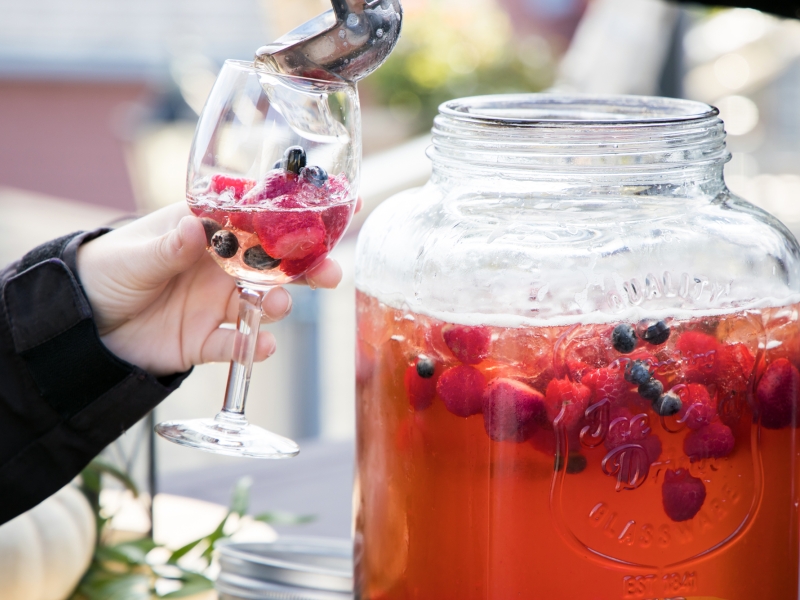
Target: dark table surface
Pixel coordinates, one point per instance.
(317, 482)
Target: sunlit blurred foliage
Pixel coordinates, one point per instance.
(453, 48)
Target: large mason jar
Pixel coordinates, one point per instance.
(577, 367)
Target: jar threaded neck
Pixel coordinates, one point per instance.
(562, 136)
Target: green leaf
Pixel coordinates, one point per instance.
(119, 586)
(183, 551)
(241, 496)
(129, 553)
(99, 467)
(194, 584)
(283, 518)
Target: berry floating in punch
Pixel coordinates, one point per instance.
(257, 258)
(654, 333)
(315, 175)
(651, 389)
(667, 404)
(638, 372)
(419, 389)
(294, 159)
(210, 226)
(682, 494)
(425, 367)
(623, 338)
(225, 243)
(461, 389)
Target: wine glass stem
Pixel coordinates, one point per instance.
(244, 347)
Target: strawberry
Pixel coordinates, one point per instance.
(275, 184)
(470, 345)
(699, 353)
(335, 220)
(608, 383)
(420, 390)
(777, 393)
(715, 440)
(242, 220)
(293, 235)
(512, 410)
(682, 495)
(238, 186)
(461, 389)
(698, 408)
(566, 401)
(298, 267)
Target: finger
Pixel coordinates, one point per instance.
(218, 346)
(327, 274)
(160, 259)
(277, 304)
(359, 204)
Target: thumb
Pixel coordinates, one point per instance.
(164, 257)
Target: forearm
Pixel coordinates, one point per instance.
(64, 396)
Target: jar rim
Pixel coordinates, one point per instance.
(575, 110)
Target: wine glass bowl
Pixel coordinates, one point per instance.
(273, 175)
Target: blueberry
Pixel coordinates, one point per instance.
(278, 164)
(668, 404)
(425, 367)
(294, 159)
(623, 338)
(654, 333)
(638, 372)
(225, 243)
(211, 227)
(651, 389)
(576, 463)
(315, 175)
(256, 258)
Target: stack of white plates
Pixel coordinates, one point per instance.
(291, 568)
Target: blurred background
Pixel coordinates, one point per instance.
(98, 104)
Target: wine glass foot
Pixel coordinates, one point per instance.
(228, 434)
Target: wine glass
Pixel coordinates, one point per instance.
(273, 174)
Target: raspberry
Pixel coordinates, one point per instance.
(511, 410)
(699, 352)
(420, 390)
(715, 440)
(777, 393)
(577, 369)
(698, 407)
(238, 186)
(566, 401)
(607, 383)
(734, 365)
(293, 235)
(470, 345)
(682, 494)
(461, 389)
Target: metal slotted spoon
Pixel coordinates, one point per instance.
(348, 42)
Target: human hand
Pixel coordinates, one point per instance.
(159, 298)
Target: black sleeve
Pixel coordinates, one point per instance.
(782, 8)
(63, 396)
